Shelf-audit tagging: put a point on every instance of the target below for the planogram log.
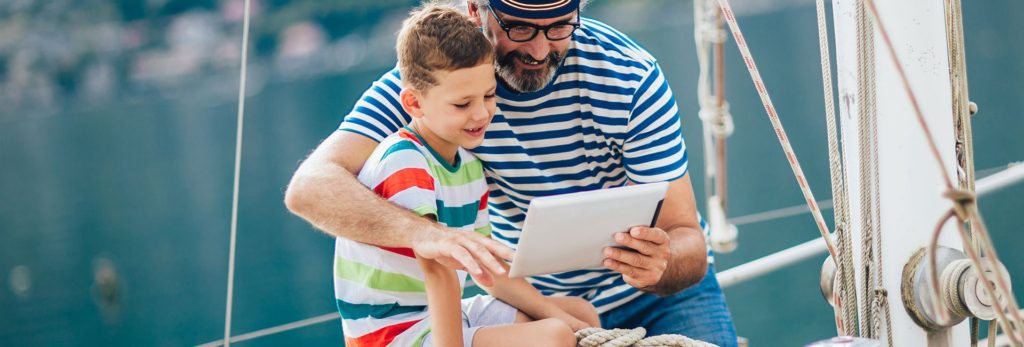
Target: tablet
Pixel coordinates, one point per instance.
(569, 232)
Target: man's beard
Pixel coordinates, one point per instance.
(527, 80)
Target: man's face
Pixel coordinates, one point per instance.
(524, 66)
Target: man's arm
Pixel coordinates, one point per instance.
(325, 192)
(669, 257)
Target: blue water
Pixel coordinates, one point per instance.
(141, 182)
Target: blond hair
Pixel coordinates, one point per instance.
(439, 37)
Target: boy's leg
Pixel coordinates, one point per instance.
(542, 333)
(492, 322)
(577, 307)
(698, 312)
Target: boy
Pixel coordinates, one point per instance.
(383, 293)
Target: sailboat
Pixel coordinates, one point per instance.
(910, 262)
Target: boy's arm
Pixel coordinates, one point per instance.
(444, 303)
(524, 297)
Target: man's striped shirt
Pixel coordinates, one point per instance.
(380, 291)
(608, 118)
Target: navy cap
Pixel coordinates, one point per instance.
(535, 9)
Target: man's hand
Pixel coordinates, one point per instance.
(465, 250)
(643, 265)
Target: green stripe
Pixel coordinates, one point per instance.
(468, 172)
(421, 338)
(459, 216)
(375, 278)
(425, 210)
(400, 146)
(356, 311)
(484, 230)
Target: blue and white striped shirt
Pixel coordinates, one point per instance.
(608, 117)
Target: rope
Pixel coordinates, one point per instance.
(882, 312)
(769, 107)
(951, 277)
(866, 137)
(963, 109)
(993, 331)
(597, 337)
(238, 170)
(846, 304)
(994, 287)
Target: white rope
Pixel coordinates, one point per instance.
(598, 337)
(846, 303)
(238, 169)
(875, 296)
(794, 164)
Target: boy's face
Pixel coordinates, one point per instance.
(457, 110)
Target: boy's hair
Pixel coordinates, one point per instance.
(439, 37)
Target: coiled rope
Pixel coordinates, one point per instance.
(597, 337)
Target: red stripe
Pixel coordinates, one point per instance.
(398, 250)
(483, 202)
(404, 179)
(381, 337)
(728, 13)
(405, 134)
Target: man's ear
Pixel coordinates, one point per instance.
(411, 102)
(474, 13)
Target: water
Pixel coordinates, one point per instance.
(114, 216)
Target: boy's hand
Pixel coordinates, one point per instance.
(576, 324)
(465, 250)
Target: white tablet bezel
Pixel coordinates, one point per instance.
(570, 231)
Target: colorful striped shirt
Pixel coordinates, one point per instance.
(607, 118)
(380, 291)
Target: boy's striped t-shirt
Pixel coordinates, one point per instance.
(380, 291)
(607, 118)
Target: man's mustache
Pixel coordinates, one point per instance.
(552, 58)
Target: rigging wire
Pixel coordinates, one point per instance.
(238, 169)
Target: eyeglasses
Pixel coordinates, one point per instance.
(523, 32)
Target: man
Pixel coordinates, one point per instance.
(581, 107)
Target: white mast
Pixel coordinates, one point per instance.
(908, 187)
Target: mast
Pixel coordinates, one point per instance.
(894, 186)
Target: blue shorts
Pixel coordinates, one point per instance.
(478, 312)
(699, 312)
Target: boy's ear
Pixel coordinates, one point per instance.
(474, 13)
(410, 99)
